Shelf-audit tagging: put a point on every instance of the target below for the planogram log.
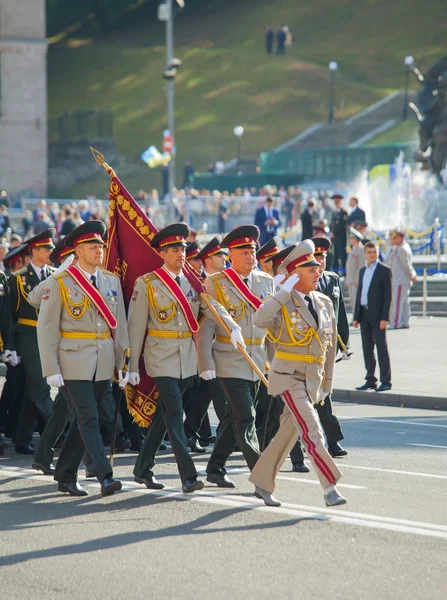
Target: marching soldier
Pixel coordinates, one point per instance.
(81, 307)
(169, 306)
(338, 233)
(192, 250)
(265, 252)
(302, 324)
(37, 392)
(241, 290)
(329, 285)
(404, 275)
(213, 257)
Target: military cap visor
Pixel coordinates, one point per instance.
(302, 255)
(171, 236)
(61, 251)
(91, 232)
(322, 245)
(244, 236)
(212, 248)
(281, 255)
(44, 239)
(192, 250)
(15, 254)
(269, 249)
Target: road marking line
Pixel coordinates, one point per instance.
(415, 473)
(428, 446)
(348, 418)
(250, 503)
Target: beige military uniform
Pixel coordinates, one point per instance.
(301, 372)
(215, 352)
(354, 262)
(399, 259)
(74, 339)
(169, 349)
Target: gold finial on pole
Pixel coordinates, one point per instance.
(100, 160)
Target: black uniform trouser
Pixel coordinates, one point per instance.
(372, 336)
(267, 416)
(107, 412)
(84, 399)
(168, 417)
(11, 401)
(37, 392)
(196, 401)
(339, 253)
(53, 429)
(237, 426)
(331, 427)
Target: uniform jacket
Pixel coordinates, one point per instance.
(339, 222)
(399, 260)
(283, 373)
(379, 294)
(354, 262)
(5, 315)
(330, 286)
(220, 356)
(80, 359)
(154, 307)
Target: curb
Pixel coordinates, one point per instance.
(390, 399)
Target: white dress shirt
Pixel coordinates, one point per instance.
(366, 282)
(38, 270)
(89, 275)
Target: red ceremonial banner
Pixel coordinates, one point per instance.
(130, 255)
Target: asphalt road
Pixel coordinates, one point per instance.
(389, 541)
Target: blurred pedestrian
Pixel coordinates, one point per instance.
(338, 234)
(307, 219)
(267, 220)
(356, 213)
(269, 37)
(281, 42)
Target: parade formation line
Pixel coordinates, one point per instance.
(314, 513)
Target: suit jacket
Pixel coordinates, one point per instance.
(154, 307)
(330, 286)
(306, 224)
(283, 373)
(357, 215)
(379, 294)
(260, 219)
(221, 356)
(80, 359)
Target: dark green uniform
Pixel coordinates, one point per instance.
(37, 400)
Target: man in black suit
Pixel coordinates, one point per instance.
(338, 233)
(357, 214)
(267, 220)
(329, 284)
(307, 217)
(372, 313)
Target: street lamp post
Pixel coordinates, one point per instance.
(238, 132)
(333, 66)
(409, 60)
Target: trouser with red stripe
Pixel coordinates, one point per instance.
(299, 418)
(400, 306)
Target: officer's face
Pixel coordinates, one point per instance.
(321, 259)
(309, 277)
(41, 256)
(215, 264)
(267, 267)
(243, 259)
(196, 264)
(174, 258)
(90, 254)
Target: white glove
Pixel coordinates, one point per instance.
(290, 283)
(277, 279)
(346, 356)
(64, 266)
(207, 375)
(236, 338)
(123, 380)
(56, 380)
(134, 378)
(11, 358)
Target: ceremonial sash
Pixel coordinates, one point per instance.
(94, 296)
(242, 287)
(178, 294)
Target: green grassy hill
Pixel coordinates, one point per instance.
(227, 79)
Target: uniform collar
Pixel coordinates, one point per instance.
(173, 275)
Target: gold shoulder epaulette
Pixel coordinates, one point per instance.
(148, 277)
(106, 272)
(22, 271)
(217, 276)
(60, 275)
(323, 297)
(262, 274)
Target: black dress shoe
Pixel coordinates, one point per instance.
(109, 486)
(192, 485)
(46, 469)
(24, 449)
(122, 444)
(221, 480)
(3, 445)
(300, 467)
(208, 441)
(366, 386)
(195, 446)
(73, 488)
(384, 387)
(335, 450)
(162, 447)
(150, 482)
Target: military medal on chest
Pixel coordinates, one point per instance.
(163, 315)
(76, 310)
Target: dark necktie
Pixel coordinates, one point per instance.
(93, 280)
(177, 280)
(43, 275)
(312, 310)
(322, 285)
(246, 280)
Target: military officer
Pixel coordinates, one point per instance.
(266, 251)
(168, 305)
(240, 289)
(329, 285)
(399, 260)
(192, 250)
(302, 324)
(338, 233)
(37, 392)
(213, 257)
(354, 262)
(81, 307)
